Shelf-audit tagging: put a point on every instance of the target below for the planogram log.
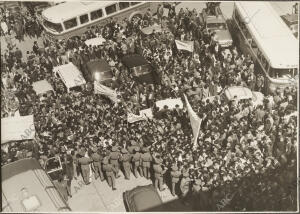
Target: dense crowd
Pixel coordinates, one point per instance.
(236, 138)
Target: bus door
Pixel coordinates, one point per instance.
(53, 167)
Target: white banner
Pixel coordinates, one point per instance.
(132, 118)
(102, 89)
(17, 128)
(185, 45)
(195, 120)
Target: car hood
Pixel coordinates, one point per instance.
(223, 35)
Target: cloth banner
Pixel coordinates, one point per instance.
(185, 45)
(195, 120)
(147, 113)
(171, 103)
(17, 128)
(102, 89)
(132, 118)
(95, 41)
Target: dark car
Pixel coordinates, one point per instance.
(140, 69)
(142, 198)
(98, 70)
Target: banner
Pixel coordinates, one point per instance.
(132, 118)
(195, 121)
(17, 128)
(171, 103)
(186, 45)
(102, 89)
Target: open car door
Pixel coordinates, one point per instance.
(53, 167)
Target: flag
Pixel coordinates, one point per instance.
(186, 45)
(195, 121)
(132, 118)
(102, 89)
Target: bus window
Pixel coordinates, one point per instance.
(96, 14)
(57, 27)
(111, 9)
(123, 5)
(70, 23)
(134, 3)
(279, 73)
(84, 18)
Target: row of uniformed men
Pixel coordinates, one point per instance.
(132, 159)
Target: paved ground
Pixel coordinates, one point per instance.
(97, 196)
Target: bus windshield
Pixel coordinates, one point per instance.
(57, 27)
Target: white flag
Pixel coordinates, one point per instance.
(186, 45)
(102, 89)
(195, 121)
(132, 118)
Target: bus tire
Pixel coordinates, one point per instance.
(136, 14)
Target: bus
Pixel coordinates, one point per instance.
(260, 32)
(71, 19)
(26, 187)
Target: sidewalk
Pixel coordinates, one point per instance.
(98, 196)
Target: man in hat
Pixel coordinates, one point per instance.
(175, 174)
(185, 187)
(85, 167)
(110, 173)
(146, 159)
(97, 159)
(114, 159)
(159, 173)
(136, 160)
(125, 159)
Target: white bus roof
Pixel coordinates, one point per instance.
(69, 10)
(276, 40)
(27, 174)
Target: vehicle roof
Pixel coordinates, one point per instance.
(239, 91)
(99, 65)
(68, 10)
(27, 173)
(143, 198)
(271, 34)
(134, 60)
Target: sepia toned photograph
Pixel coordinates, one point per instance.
(153, 106)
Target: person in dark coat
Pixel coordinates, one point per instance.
(85, 167)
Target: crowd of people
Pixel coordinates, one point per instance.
(236, 139)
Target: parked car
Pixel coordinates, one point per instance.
(218, 24)
(140, 69)
(240, 93)
(142, 198)
(98, 70)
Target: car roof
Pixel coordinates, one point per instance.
(134, 60)
(143, 198)
(239, 91)
(99, 65)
